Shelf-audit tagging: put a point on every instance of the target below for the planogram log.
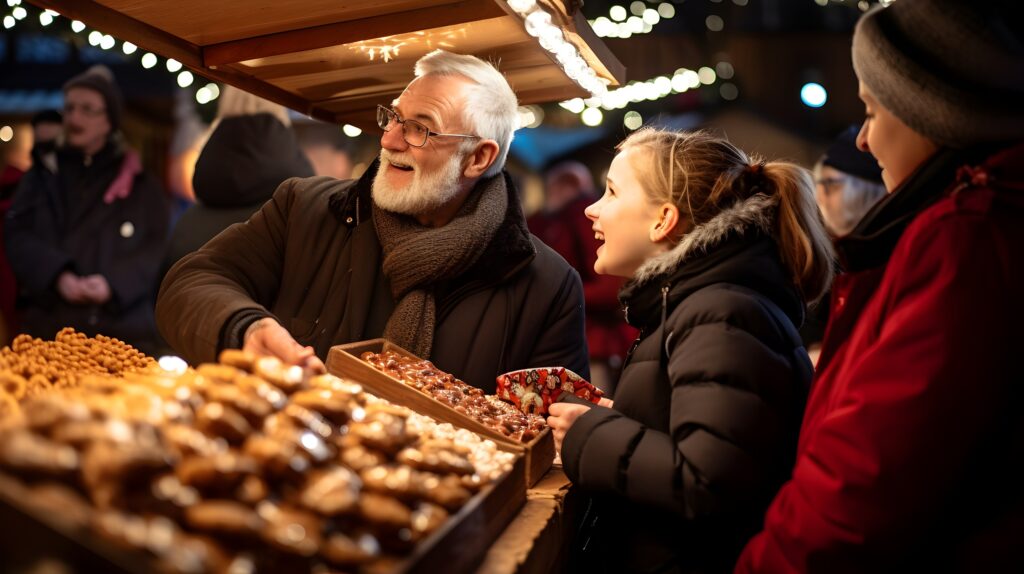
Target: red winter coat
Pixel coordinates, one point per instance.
(915, 425)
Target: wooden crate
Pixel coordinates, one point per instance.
(344, 361)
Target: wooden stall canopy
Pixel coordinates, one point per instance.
(334, 60)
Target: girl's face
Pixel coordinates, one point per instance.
(898, 148)
(625, 220)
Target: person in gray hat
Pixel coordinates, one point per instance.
(914, 429)
(88, 226)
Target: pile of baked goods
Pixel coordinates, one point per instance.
(243, 465)
(30, 366)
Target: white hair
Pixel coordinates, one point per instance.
(491, 110)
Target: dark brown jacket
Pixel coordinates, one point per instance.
(311, 259)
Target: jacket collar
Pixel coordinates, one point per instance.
(755, 212)
(872, 241)
(735, 246)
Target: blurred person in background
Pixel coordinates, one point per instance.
(914, 431)
(251, 149)
(848, 182)
(46, 128)
(563, 226)
(88, 226)
(329, 150)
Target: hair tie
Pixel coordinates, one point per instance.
(752, 180)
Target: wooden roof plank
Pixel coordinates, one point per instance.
(352, 31)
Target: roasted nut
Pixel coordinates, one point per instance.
(24, 451)
(252, 490)
(279, 459)
(219, 373)
(332, 492)
(384, 511)
(332, 405)
(237, 358)
(427, 518)
(344, 551)
(287, 378)
(224, 517)
(435, 458)
(219, 420)
(357, 457)
(291, 530)
(221, 473)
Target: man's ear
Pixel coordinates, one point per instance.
(481, 159)
(666, 223)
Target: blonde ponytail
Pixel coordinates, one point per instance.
(702, 174)
(804, 244)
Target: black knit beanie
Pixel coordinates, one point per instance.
(100, 79)
(844, 156)
(952, 70)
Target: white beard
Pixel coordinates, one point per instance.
(427, 192)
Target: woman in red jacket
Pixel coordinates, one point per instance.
(914, 426)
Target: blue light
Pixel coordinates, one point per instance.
(813, 95)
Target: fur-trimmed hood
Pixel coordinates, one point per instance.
(735, 247)
(755, 213)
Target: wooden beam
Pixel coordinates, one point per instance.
(263, 89)
(340, 33)
(112, 22)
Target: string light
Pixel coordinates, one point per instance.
(538, 24)
(185, 79)
(351, 130)
(173, 65)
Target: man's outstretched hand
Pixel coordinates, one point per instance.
(268, 337)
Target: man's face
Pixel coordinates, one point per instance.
(85, 119)
(416, 180)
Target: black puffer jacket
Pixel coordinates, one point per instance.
(241, 165)
(706, 414)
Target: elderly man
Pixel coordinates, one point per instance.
(429, 248)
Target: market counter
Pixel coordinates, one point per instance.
(538, 537)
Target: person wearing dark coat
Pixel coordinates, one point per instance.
(88, 226)
(911, 444)
(429, 248)
(244, 160)
(722, 253)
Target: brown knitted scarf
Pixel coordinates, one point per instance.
(417, 257)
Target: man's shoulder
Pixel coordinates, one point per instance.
(317, 187)
(547, 260)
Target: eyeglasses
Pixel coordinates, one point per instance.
(413, 132)
(832, 184)
(88, 111)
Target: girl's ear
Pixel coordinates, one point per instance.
(666, 223)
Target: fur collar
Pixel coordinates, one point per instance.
(755, 212)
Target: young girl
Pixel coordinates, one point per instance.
(722, 252)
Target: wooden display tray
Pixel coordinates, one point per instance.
(33, 535)
(344, 361)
